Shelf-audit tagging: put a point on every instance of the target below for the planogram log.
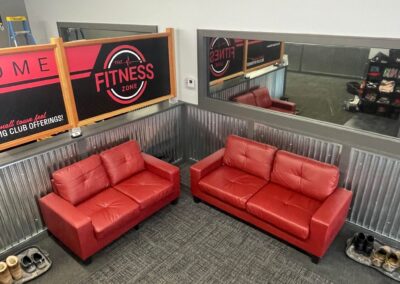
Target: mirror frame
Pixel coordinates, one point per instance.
(349, 137)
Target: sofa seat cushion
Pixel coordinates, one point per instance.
(287, 210)
(123, 161)
(81, 180)
(145, 188)
(109, 210)
(231, 185)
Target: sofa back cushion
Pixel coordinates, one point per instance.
(80, 181)
(247, 98)
(122, 161)
(249, 156)
(262, 97)
(309, 177)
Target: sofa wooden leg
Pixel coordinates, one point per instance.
(175, 201)
(315, 259)
(196, 200)
(137, 227)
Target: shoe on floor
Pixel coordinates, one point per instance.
(379, 256)
(392, 261)
(27, 264)
(38, 259)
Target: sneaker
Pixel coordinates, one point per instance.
(27, 264)
(38, 260)
(359, 242)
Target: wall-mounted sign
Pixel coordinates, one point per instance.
(109, 77)
(31, 99)
(226, 58)
(263, 53)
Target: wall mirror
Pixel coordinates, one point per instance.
(70, 31)
(357, 86)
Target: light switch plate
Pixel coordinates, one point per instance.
(190, 83)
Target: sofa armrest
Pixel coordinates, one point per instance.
(329, 218)
(67, 223)
(204, 167)
(284, 105)
(161, 168)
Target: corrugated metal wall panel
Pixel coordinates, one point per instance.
(208, 131)
(375, 182)
(21, 184)
(158, 135)
(317, 149)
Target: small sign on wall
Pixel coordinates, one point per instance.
(31, 99)
(108, 78)
(226, 58)
(263, 53)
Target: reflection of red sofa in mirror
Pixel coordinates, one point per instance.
(260, 97)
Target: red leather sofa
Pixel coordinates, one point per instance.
(287, 195)
(260, 97)
(98, 199)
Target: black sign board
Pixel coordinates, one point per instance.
(226, 57)
(263, 53)
(31, 100)
(112, 76)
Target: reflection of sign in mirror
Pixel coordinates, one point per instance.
(112, 76)
(226, 58)
(31, 100)
(263, 53)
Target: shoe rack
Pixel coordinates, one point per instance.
(380, 91)
(381, 257)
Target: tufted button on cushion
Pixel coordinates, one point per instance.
(249, 156)
(231, 185)
(122, 161)
(284, 208)
(145, 188)
(81, 180)
(109, 210)
(309, 177)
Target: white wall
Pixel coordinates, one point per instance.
(340, 17)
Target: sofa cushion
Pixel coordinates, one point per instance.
(262, 97)
(122, 161)
(109, 210)
(249, 156)
(231, 185)
(247, 98)
(81, 180)
(285, 209)
(145, 188)
(306, 176)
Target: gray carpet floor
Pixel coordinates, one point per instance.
(319, 97)
(195, 243)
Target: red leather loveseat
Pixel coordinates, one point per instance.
(289, 196)
(260, 97)
(98, 199)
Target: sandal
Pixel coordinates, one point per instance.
(392, 261)
(380, 255)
